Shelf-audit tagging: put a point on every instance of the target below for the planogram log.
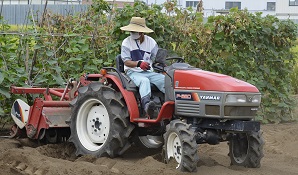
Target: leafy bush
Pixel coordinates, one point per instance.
(294, 74)
(241, 44)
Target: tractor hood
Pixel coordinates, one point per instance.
(210, 81)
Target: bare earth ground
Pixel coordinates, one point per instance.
(25, 157)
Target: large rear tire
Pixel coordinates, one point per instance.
(99, 122)
(180, 146)
(246, 149)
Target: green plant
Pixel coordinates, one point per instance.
(294, 74)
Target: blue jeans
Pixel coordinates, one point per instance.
(143, 80)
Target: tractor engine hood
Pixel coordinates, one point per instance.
(209, 81)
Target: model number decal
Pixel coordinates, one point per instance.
(183, 96)
(192, 96)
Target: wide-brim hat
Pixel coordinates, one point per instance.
(137, 24)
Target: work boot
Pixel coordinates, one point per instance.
(148, 106)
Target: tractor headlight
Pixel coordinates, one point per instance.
(236, 99)
(256, 99)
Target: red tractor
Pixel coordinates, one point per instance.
(101, 115)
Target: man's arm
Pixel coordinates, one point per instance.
(130, 63)
(141, 64)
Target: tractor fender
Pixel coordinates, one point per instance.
(20, 113)
(128, 96)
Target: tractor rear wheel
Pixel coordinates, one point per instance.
(180, 145)
(246, 149)
(99, 122)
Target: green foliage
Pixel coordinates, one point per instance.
(7, 54)
(294, 74)
(241, 44)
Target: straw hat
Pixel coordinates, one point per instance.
(137, 24)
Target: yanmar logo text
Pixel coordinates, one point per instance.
(210, 97)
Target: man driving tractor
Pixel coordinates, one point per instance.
(138, 51)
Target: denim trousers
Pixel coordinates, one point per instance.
(143, 80)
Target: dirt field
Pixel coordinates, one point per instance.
(25, 157)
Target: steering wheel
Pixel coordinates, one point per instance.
(160, 67)
(178, 59)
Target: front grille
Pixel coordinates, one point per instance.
(240, 111)
(187, 108)
(212, 110)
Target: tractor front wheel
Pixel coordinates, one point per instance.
(246, 149)
(99, 122)
(180, 146)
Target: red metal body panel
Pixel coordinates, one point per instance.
(210, 81)
(56, 103)
(93, 75)
(166, 112)
(32, 90)
(47, 92)
(37, 120)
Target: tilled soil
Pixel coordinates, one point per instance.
(23, 156)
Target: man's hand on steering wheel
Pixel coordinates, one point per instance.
(143, 65)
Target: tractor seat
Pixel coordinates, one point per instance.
(120, 67)
(119, 63)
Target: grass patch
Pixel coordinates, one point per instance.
(17, 28)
